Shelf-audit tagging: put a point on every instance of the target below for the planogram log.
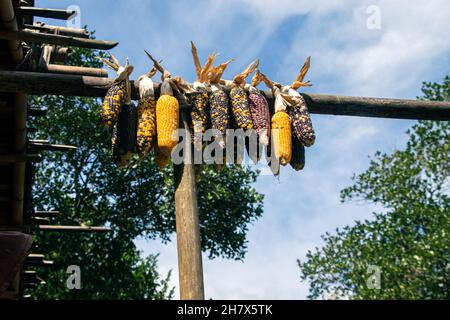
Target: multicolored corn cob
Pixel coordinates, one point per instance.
(219, 103)
(259, 109)
(167, 120)
(113, 102)
(281, 135)
(146, 128)
(199, 114)
(124, 135)
(301, 121)
(298, 154)
(240, 108)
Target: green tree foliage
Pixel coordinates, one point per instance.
(410, 241)
(88, 189)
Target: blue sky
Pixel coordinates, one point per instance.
(348, 58)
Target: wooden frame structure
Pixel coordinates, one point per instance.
(17, 33)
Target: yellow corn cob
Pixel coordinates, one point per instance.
(240, 108)
(281, 134)
(146, 129)
(167, 119)
(114, 100)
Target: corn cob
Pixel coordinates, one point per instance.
(199, 114)
(146, 112)
(240, 108)
(298, 154)
(124, 135)
(260, 115)
(281, 135)
(146, 129)
(219, 103)
(167, 119)
(113, 102)
(301, 121)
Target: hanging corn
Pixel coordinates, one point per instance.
(124, 135)
(218, 100)
(167, 113)
(298, 154)
(301, 120)
(146, 112)
(116, 94)
(281, 135)
(113, 102)
(281, 143)
(239, 98)
(199, 101)
(259, 109)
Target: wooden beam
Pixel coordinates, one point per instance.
(77, 229)
(65, 31)
(36, 37)
(82, 71)
(190, 265)
(57, 84)
(47, 13)
(37, 112)
(378, 107)
(45, 228)
(47, 214)
(51, 147)
(38, 83)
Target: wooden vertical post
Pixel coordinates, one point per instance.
(188, 229)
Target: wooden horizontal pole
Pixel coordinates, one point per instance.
(36, 37)
(36, 112)
(43, 263)
(46, 228)
(51, 147)
(35, 257)
(57, 84)
(82, 71)
(37, 221)
(47, 214)
(78, 229)
(65, 31)
(46, 13)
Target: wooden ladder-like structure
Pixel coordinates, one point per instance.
(32, 46)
